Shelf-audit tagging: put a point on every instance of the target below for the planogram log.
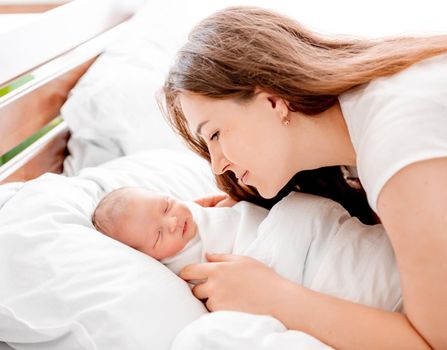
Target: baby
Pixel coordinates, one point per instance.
(166, 228)
(308, 239)
(154, 224)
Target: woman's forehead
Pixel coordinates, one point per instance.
(194, 104)
(199, 109)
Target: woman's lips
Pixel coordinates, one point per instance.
(244, 177)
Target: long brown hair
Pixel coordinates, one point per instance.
(238, 49)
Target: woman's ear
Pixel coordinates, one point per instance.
(278, 104)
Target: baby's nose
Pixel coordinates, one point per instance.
(172, 223)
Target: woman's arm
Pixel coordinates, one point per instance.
(244, 284)
(346, 325)
(413, 209)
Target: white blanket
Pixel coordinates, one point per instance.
(310, 240)
(307, 239)
(220, 230)
(315, 242)
(224, 330)
(66, 286)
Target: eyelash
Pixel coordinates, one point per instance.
(158, 238)
(165, 211)
(215, 135)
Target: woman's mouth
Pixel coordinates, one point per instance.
(244, 177)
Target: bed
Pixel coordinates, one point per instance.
(78, 118)
(41, 62)
(75, 68)
(37, 75)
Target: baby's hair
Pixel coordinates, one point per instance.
(110, 205)
(107, 208)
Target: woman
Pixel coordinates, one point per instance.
(275, 107)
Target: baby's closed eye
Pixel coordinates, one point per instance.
(158, 235)
(167, 205)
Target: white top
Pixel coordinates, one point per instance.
(396, 121)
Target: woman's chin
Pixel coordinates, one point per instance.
(267, 193)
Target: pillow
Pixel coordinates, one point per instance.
(112, 110)
(67, 286)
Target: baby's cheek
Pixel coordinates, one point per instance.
(175, 247)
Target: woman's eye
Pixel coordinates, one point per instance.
(215, 136)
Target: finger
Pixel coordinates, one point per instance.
(201, 291)
(201, 201)
(212, 257)
(210, 305)
(211, 201)
(195, 272)
(197, 281)
(227, 202)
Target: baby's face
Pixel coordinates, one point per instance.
(157, 225)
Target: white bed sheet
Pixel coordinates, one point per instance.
(224, 330)
(4, 346)
(66, 286)
(312, 241)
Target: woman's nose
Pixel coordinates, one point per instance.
(218, 162)
(171, 223)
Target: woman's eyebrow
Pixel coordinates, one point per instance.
(199, 127)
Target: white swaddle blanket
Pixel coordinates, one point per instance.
(308, 239)
(315, 242)
(219, 230)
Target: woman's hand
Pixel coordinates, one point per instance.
(220, 200)
(240, 283)
(237, 283)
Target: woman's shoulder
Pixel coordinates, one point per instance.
(421, 79)
(397, 120)
(416, 94)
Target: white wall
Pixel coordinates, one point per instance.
(359, 17)
(31, 2)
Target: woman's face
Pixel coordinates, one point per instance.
(248, 138)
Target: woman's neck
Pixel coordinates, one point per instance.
(327, 141)
(346, 149)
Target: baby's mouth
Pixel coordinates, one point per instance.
(185, 227)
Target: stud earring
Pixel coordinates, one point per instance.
(286, 122)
